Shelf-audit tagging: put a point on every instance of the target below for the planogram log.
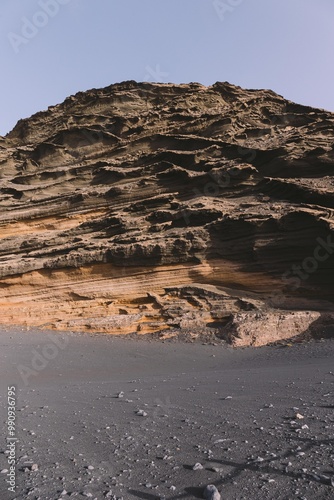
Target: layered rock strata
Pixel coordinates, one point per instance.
(156, 207)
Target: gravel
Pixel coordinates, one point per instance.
(231, 421)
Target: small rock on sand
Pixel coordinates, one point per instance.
(197, 466)
(211, 493)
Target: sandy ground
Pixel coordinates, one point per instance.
(103, 417)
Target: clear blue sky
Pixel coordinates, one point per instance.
(50, 52)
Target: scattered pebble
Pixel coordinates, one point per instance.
(141, 413)
(217, 469)
(211, 493)
(198, 466)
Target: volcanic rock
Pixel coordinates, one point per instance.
(159, 208)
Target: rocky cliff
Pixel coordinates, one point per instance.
(158, 207)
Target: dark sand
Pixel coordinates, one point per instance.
(231, 410)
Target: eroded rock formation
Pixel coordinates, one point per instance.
(156, 207)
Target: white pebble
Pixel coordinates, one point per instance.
(198, 466)
(211, 493)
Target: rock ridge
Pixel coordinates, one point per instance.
(151, 208)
